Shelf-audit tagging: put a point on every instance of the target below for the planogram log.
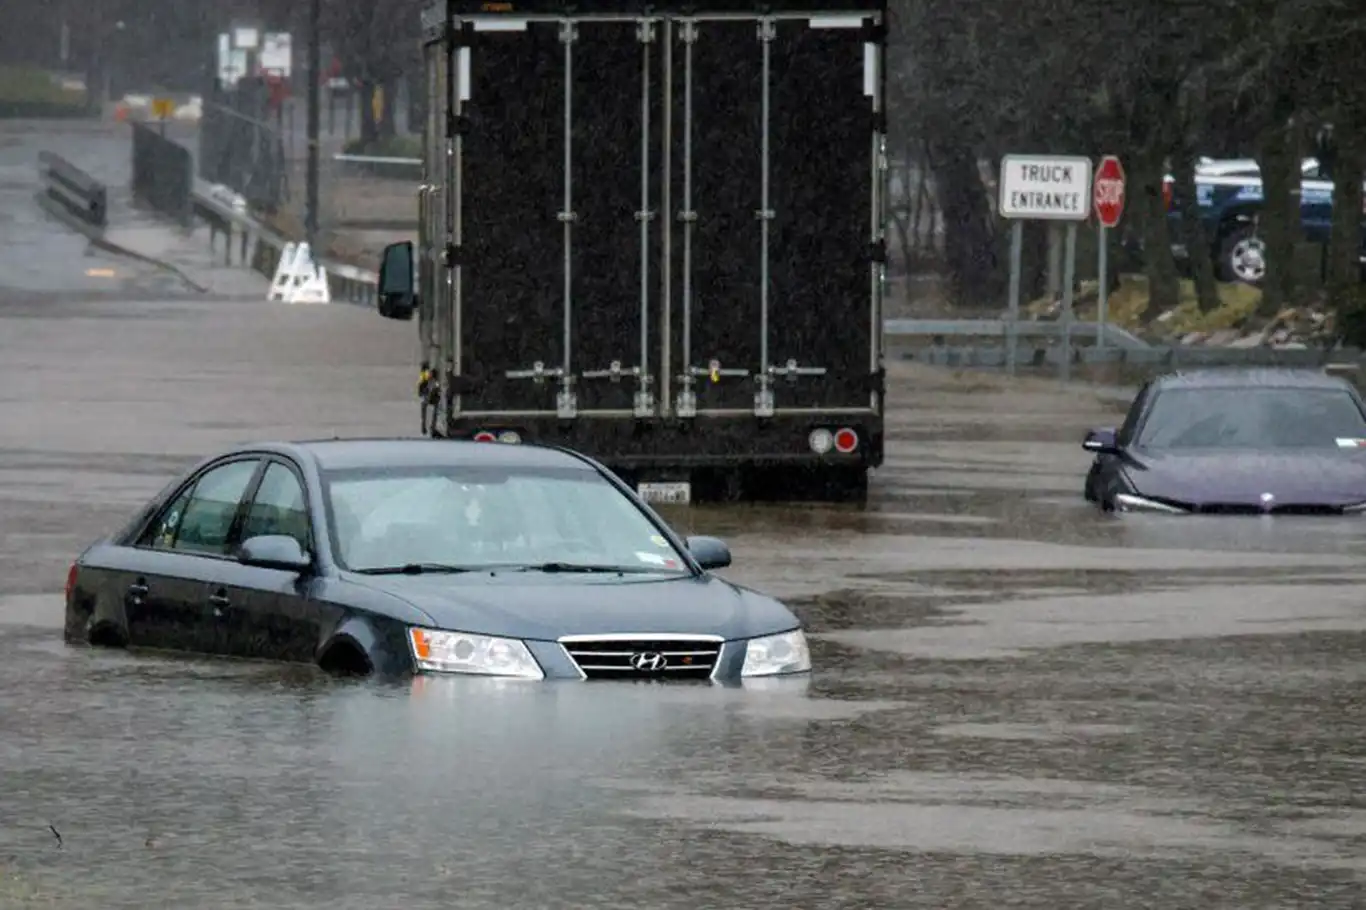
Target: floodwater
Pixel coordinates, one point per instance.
(1017, 703)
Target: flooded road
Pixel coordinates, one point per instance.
(1017, 703)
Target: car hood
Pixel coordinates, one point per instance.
(546, 606)
(1316, 478)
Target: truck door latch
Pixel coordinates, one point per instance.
(538, 373)
(685, 405)
(790, 371)
(566, 402)
(643, 402)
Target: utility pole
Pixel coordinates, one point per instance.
(314, 117)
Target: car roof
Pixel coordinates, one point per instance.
(349, 454)
(1250, 377)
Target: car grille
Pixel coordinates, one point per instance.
(673, 657)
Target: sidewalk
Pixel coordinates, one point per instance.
(185, 251)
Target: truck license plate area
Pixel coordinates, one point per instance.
(674, 493)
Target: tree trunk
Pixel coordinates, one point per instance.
(1280, 223)
(970, 241)
(388, 122)
(365, 97)
(1344, 249)
(1194, 235)
(1164, 286)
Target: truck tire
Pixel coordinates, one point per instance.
(1242, 256)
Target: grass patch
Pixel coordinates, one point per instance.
(25, 86)
(1238, 305)
(388, 147)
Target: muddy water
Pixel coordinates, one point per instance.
(1017, 703)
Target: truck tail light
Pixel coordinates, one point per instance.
(1167, 193)
(846, 441)
(71, 574)
(485, 436)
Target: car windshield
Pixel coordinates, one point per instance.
(1253, 418)
(452, 519)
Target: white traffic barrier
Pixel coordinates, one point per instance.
(298, 279)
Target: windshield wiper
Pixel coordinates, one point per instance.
(415, 568)
(581, 567)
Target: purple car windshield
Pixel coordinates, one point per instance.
(1252, 418)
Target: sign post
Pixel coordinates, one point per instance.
(1044, 188)
(162, 109)
(1108, 197)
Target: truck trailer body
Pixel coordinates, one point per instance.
(654, 233)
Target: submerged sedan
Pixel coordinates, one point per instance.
(1235, 441)
(393, 557)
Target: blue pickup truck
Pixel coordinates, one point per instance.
(1229, 194)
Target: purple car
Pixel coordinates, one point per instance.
(1235, 442)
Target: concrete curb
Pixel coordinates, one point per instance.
(98, 240)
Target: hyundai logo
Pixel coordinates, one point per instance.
(649, 661)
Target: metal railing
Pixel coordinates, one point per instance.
(73, 192)
(239, 149)
(163, 173)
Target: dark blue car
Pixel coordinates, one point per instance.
(394, 557)
(1235, 441)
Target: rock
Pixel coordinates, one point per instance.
(1254, 340)
(1193, 338)
(1223, 337)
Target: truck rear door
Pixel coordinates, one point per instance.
(559, 182)
(776, 167)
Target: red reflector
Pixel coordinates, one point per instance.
(846, 441)
(1166, 194)
(71, 580)
(485, 436)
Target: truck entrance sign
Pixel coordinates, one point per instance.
(1108, 195)
(1045, 187)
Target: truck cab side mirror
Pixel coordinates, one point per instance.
(397, 294)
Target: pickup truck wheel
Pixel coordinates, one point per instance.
(1242, 256)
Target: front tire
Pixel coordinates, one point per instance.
(1242, 256)
(1088, 489)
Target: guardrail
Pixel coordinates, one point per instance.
(1167, 356)
(259, 248)
(74, 191)
(381, 166)
(1024, 330)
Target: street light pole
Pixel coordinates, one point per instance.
(314, 117)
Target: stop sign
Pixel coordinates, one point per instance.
(1107, 191)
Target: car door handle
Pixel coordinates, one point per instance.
(219, 600)
(137, 591)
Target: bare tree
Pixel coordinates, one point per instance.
(378, 44)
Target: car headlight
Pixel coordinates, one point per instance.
(1127, 502)
(776, 654)
(484, 655)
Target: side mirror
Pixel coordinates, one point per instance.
(274, 551)
(1101, 441)
(397, 294)
(709, 552)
